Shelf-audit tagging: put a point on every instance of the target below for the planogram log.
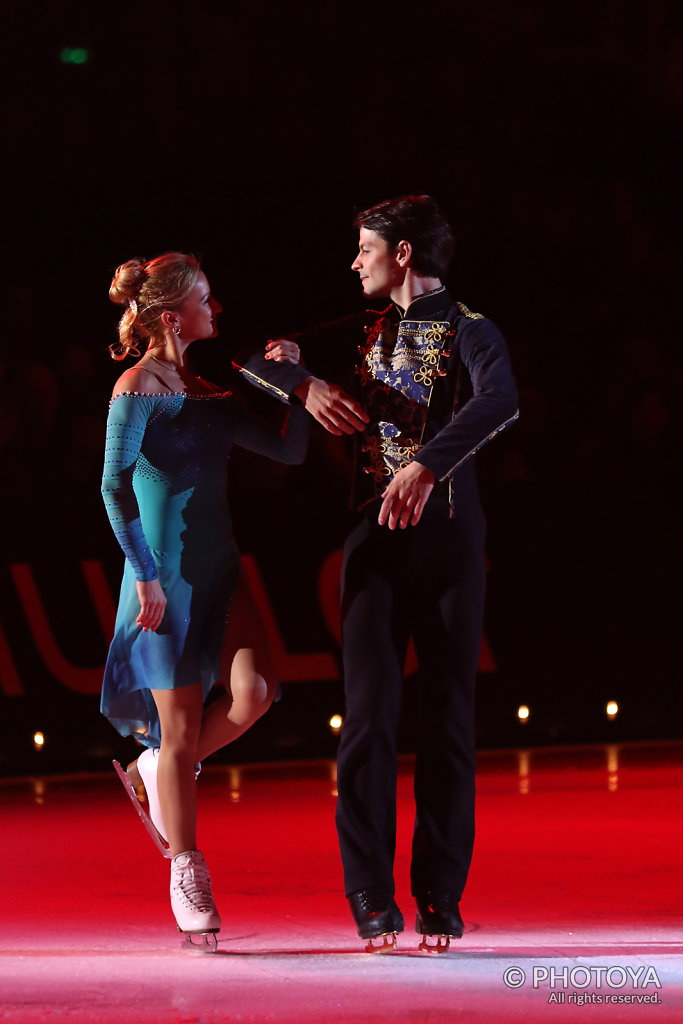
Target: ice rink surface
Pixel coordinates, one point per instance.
(573, 912)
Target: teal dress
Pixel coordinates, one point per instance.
(165, 491)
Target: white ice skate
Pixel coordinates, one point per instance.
(192, 900)
(157, 837)
(152, 820)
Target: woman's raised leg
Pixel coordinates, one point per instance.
(250, 695)
(248, 676)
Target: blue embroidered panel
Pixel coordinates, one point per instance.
(397, 374)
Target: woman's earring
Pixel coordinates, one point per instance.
(176, 330)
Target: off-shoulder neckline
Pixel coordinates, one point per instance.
(169, 394)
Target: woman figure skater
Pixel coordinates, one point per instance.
(186, 619)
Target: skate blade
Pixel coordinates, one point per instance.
(382, 943)
(201, 942)
(154, 834)
(441, 945)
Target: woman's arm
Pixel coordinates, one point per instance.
(126, 424)
(288, 445)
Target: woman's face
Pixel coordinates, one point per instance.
(198, 312)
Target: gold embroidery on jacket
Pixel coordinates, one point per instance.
(397, 375)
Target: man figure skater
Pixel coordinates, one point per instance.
(433, 384)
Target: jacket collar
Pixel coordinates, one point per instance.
(425, 306)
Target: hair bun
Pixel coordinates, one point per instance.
(127, 281)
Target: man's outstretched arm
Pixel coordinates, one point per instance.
(329, 403)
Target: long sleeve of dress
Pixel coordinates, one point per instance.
(126, 424)
(288, 445)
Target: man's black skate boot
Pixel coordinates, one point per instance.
(438, 916)
(377, 917)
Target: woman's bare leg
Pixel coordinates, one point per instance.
(252, 688)
(180, 718)
(247, 674)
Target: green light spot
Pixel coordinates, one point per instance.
(74, 55)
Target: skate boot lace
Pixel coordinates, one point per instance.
(192, 883)
(374, 899)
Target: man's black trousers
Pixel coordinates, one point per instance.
(427, 581)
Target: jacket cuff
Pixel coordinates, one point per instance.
(278, 380)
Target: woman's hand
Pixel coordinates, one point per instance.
(283, 351)
(152, 605)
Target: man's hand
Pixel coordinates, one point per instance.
(331, 406)
(283, 351)
(152, 604)
(406, 496)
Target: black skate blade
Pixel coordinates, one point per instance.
(158, 840)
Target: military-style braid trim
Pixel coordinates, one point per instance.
(468, 312)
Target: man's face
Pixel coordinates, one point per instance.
(377, 266)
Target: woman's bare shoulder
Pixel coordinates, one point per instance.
(137, 380)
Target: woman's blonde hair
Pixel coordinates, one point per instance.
(149, 289)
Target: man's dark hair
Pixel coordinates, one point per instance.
(418, 220)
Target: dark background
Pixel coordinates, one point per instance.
(250, 133)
